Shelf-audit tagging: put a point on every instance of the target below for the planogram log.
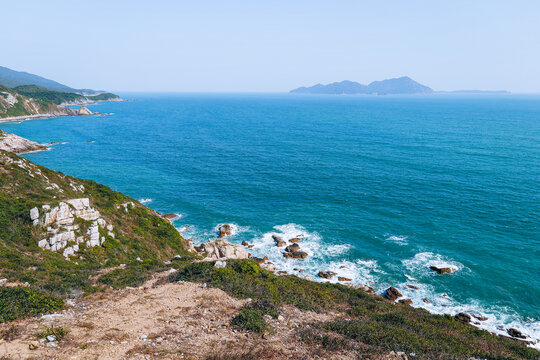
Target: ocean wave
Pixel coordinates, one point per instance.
(397, 239)
(145, 201)
(495, 319)
(333, 257)
(420, 264)
(235, 229)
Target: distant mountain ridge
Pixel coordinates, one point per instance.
(401, 85)
(11, 78)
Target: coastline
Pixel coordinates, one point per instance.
(270, 255)
(44, 116)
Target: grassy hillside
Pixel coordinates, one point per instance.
(59, 97)
(142, 239)
(13, 103)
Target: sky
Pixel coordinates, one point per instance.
(273, 46)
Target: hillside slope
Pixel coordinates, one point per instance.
(62, 98)
(86, 227)
(13, 104)
(11, 78)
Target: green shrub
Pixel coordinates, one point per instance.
(58, 332)
(21, 302)
(250, 320)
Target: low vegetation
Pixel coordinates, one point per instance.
(59, 97)
(368, 324)
(140, 233)
(20, 302)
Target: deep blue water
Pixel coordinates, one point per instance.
(385, 186)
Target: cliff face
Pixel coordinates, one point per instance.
(13, 104)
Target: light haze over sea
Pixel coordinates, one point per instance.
(381, 186)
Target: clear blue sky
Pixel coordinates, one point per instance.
(273, 45)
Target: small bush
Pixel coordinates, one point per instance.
(21, 302)
(58, 332)
(250, 320)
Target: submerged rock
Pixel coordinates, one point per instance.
(441, 270)
(392, 293)
(294, 240)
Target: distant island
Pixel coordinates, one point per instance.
(401, 85)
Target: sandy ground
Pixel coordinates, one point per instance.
(180, 321)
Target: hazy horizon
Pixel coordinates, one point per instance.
(242, 46)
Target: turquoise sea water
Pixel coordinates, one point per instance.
(384, 186)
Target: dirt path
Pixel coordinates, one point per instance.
(169, 321)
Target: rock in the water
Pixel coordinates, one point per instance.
(326, 274)
(463, 318)
(245, 243)
(341, 278)
(296, 255)
(224, 230)
(83, 110)
(292, 248)
(17, 144)
(412, 287)
(392, 293)
(515, 333)
(405, 301)
(441, 270)
(294, 240)
(426, 301)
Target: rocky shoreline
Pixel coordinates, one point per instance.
(221, 250)
(82, 111)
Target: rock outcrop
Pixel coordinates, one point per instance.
(83, 110)
(441, 270)
(515, 333)
(17, 144)
(326, 274)
(221, 250)
(278, 240)
(463, 318)
(392, 293)
(69, 224)
(224, 230)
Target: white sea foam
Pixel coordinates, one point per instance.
(235, 229)
(421, 263)
(397, 239)
(499, 319)
(323, 256)
(145, 201)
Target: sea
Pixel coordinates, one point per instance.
(379, 188)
